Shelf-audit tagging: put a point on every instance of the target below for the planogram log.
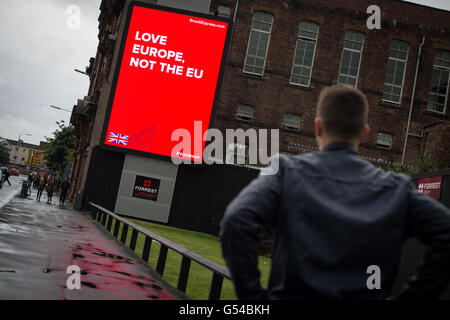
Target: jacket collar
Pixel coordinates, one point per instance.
(340, 147)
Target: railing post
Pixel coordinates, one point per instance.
(147, 246)
(133, 241)
(123, 238)
(110, 219)
(104, 218)
(216, 287)
(184, 274)
(116, 228)
(99, 215)
(161, 259)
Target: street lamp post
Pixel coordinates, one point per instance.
(24, 134)
(59, 108)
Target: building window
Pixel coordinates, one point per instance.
(384, 140)
(223, 11)
(245, 113)
(237, 154)
(304, 53)
(292, 121)
(395, 73)
(351, 58)
(15, 157)
(258, 43)
(440, 77)
(17, 149)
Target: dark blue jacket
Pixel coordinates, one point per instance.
(333, 215)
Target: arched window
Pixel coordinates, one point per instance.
(395, 72)
(440, 78)
(304, 53)
(351, 58)
(258, 43)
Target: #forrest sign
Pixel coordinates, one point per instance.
(167, 77)
(431, 187)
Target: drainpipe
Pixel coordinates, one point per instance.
(412, 100)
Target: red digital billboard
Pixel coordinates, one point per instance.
(167, 77)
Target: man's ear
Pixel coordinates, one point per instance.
(318, 126)
(365, 132)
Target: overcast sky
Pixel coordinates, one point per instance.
(38, 54)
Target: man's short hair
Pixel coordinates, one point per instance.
(344, 111)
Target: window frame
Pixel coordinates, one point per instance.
(292, 128)
(403, 76)
(313, 57)
(441, 68)
(384, 146)
(267, 48)
(246, 120)
(353, 50)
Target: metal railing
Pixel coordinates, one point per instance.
(106, 217)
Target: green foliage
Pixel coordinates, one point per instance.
(59, 151)
(4, 154)
(425, 164)
(397, 167)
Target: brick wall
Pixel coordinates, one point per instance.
(273, 96)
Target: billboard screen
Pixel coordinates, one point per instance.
(167, 77)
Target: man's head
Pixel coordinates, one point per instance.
(342, 114)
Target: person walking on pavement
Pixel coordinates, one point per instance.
(6, 175)
(334, 216)
(41, 187)
(51, 185)
(65, 185)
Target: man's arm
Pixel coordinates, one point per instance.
(429, 221)
(244, 219)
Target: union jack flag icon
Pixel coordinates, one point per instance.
(123, 142)
(124, 137)
(114, 135)
(113, 140)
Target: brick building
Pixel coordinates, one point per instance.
(284, 52)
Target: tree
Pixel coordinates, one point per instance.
(4, 154)
(59, 150)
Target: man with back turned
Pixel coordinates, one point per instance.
(333, 215)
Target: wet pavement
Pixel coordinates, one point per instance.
(8, 191)
(38, 241)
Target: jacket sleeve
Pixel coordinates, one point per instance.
(429, 221)
(244, 219)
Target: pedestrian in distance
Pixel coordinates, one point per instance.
(6, 175)
(36, 180)
(65, 185)
(41, 187)
(333, 217)
(50, 188)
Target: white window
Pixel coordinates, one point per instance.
(384, 140)
(237, 154)
(440, 79)
(351, 58)
(258, 43)
(395, 72)
(292, 121)
(245, 113)
(304, 53)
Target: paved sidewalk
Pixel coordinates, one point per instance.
(38, 241)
